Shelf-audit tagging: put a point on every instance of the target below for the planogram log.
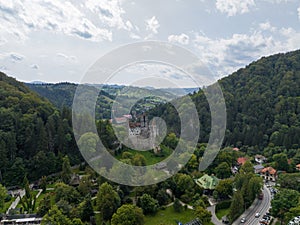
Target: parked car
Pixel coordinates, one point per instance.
(243, 220)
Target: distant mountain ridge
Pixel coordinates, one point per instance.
(62, 94)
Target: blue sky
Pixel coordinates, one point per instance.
(56, 40)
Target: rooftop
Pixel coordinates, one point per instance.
(242, 160)
(207, 182)
(270, 170)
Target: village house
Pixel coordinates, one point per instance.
(258, 168)
(207, 182)
(269, 174)
(241, 161)
(298, 167)
(260, 159)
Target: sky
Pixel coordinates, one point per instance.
(55, 41)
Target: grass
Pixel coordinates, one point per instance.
(40, 198)
(169, 217)
(221, 213)
(6, 205)
(150, 157)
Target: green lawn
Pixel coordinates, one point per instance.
(169, 216)
(151, 158)
(221, 213)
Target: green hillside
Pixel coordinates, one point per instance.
(32, 133)
(263, 105)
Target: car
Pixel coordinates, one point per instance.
(266, 217)
(263, 221)
(257, 215)
(243, 220)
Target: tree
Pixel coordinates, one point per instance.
(237, 206)
(203, 214)
(184, 184)
(3, 157)
(148, 204)
(128, 215)
(55, 217)
(281, 161)
(139, 160)
(44, 205)
(67, 193)
(3, 194)
(289, 181)
(255, 186)
(88, 142)
(247, 167)
(162, 197)
(28, 201)
(108, 201)
(171, 141)
(224, 188)
(283, 202)
(177, 205)
(292, 213)
(43, 184)
(87, 210)
(193, 163)
(66, 173)
(223, 170)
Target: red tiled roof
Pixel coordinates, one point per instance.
(269, 169)
(235, 149)
(242, 160)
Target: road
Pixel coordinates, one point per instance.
(214, 218)
(261, 206)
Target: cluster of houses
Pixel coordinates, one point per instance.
(269, 174)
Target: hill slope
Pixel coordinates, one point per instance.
(263, 104)
(32, 133)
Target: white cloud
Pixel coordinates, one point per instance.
(18, 18)
(233, 7)
(279, 1)
(64, 56)
(109, 12)
(299, 12)
(152, 25)
(267, 26)
(34, 66)
(225, 55)
(16, 57)
(181, 39)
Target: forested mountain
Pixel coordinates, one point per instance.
(33, 134)
(62, 94)
(263, 104)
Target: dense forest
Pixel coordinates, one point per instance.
(34, 135)
(263, 105)
(263, 112)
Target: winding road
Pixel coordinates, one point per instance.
(260, 206)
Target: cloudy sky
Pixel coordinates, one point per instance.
(52, 41)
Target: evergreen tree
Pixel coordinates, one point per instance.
(237, 206)
(66, 173)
